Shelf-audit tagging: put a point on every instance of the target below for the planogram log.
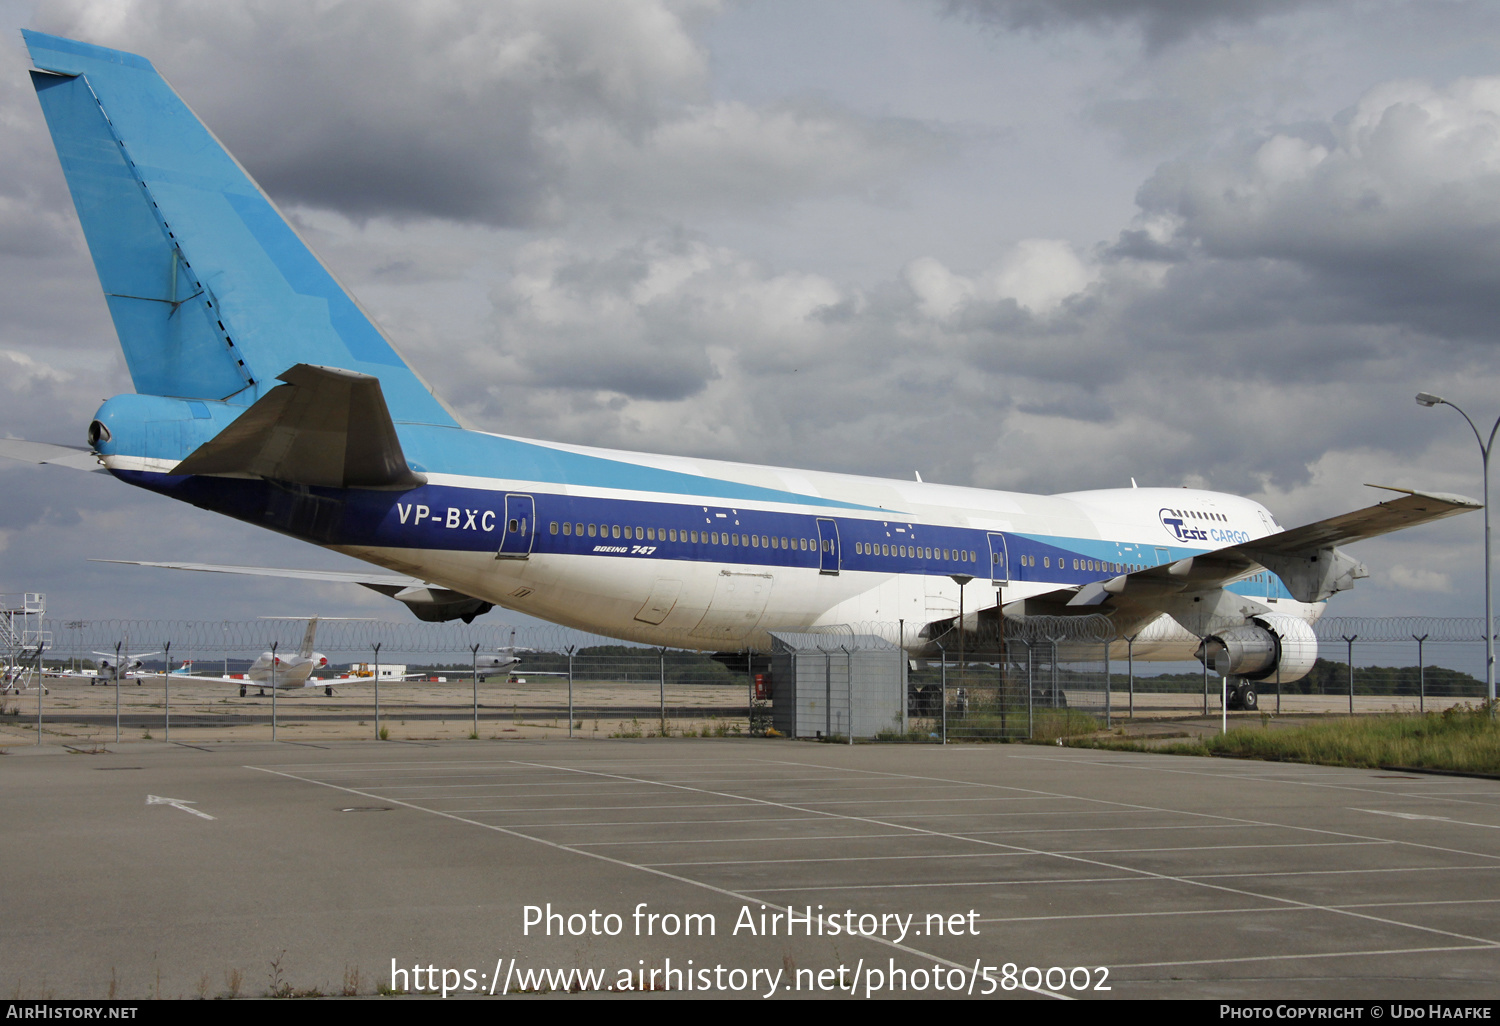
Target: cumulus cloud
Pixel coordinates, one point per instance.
(1037, 275)
(1390, 208)
(506, 112)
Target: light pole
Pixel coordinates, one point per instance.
(1485, 447)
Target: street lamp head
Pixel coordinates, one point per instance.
(1428, 399)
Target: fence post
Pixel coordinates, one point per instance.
(1030, 671)
(377, 691)
(118, 645)
(1130, 670)
(1205, 677)
(41, 687)
(571, 650)
(274, 661)
(749, 691)
(1421, 675)
(166, 681)
(1349, 640)
(474, 653)
(901, 676)
(1107, 696)
(827, 696)
(849, 669)
(661, 668)
(943, 696)
(1000, 683)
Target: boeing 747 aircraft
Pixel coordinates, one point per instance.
(265, 393)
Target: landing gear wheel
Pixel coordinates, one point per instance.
(1249, 701)
(242, 691)
(328, 692)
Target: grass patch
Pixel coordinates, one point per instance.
(1049, 725)
(1464, 738)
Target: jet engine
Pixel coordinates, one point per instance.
(436, 605)
(1269, 646)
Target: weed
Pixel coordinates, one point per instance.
(351, 982)
(233, 980)
(203, 987)
(279, 987)
(473, 735)
(386, 990)
(114, 983)
(146, 734)
(385, 733)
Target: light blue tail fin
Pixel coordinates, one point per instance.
(213, 294)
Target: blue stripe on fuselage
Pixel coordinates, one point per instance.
(450, 518)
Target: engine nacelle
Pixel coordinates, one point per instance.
(1269, 646)
(436, 605)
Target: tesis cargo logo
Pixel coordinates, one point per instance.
(1179, 528)
(1183, 530)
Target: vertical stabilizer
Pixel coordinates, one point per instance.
(212, 293)
(308, 638)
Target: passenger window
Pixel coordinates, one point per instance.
(567, 529)
(614, 531)
(554, 527)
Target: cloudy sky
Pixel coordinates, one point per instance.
(1041, 245)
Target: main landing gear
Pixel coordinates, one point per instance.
(1242, 696)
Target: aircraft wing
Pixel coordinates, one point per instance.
(71, 456)
(1305, 558)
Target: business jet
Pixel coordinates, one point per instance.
(282, 671)
(126, 667)
(265, 393)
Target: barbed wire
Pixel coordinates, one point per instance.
(358, 638)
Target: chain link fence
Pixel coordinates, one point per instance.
(1039, 677)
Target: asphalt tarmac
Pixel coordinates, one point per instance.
(246, 868)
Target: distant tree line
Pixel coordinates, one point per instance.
(1332, 678)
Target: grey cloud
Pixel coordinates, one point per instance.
(507, 113)
(1389, 212)
(1160, 21)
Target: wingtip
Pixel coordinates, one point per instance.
(1451, 498)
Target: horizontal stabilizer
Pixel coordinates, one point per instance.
(327, 576)
(71, 456)
(325, 427)
(430, 602)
